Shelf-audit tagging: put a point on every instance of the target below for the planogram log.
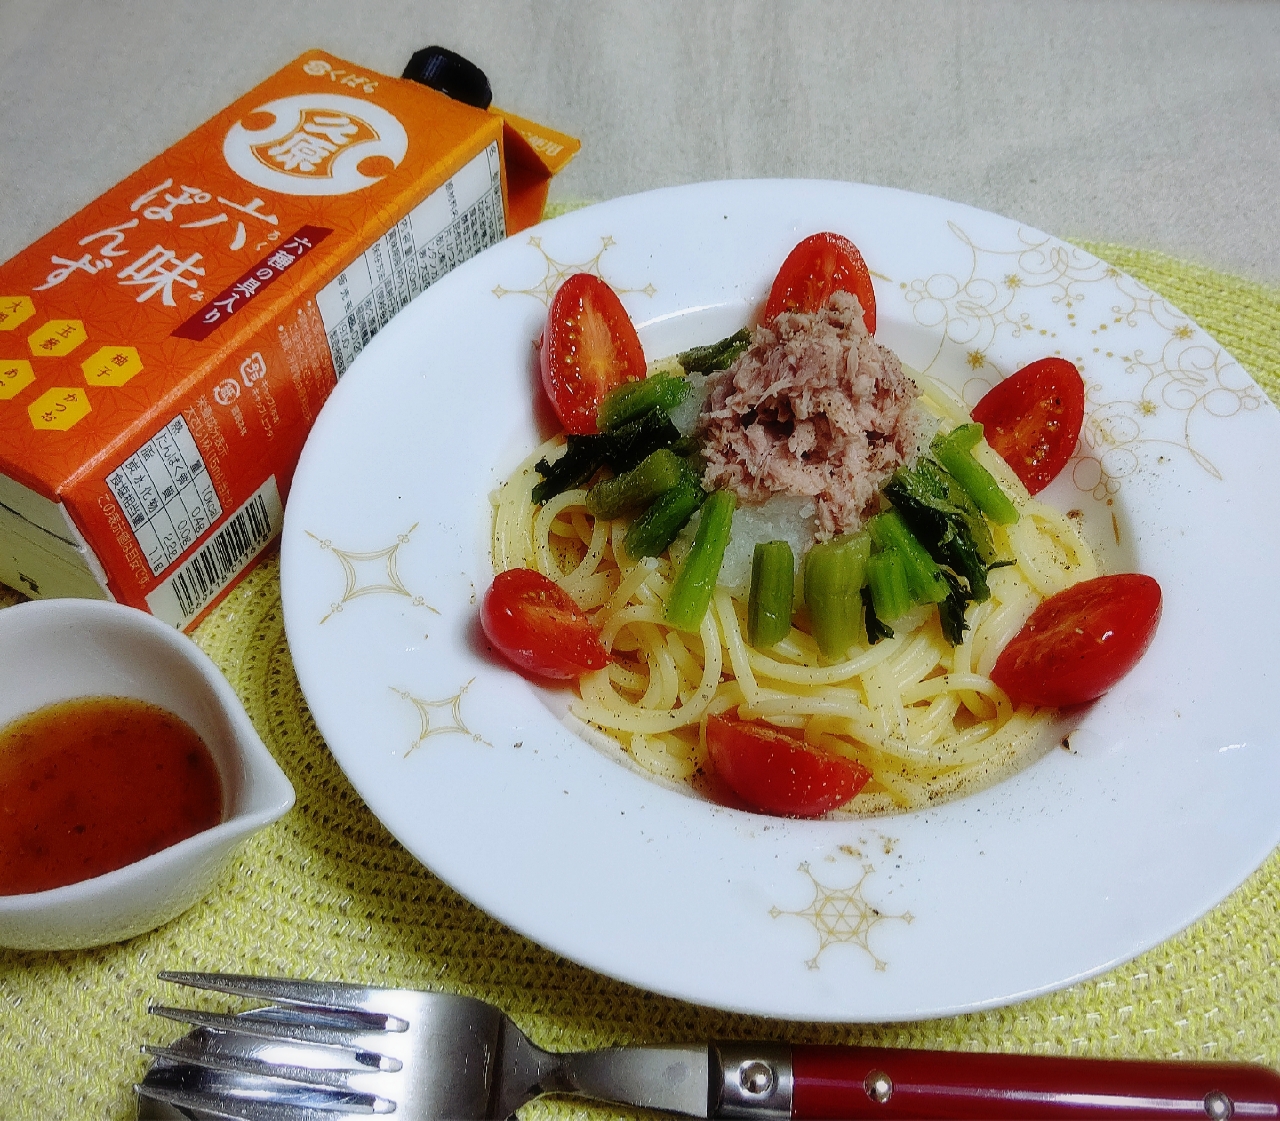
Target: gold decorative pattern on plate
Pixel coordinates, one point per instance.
(427, 728)
(387, 579)
(558, 271)
(842, 915)
(1186, 377)
(1094, 315)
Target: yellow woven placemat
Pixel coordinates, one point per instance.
(326, 892)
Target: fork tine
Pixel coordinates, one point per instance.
(209, 1104)
(246, 1098)
(324, 994)
(262, 1027)
(341, 1019)
(302, 1054)
(227, 1108)
(187, 1052)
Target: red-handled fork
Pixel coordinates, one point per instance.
(325, 1052)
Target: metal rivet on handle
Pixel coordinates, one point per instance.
(756, 1078)
(879, 1086)
(1218, 1106)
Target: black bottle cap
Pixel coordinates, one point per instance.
(451, 74)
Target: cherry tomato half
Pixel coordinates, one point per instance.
(1032, 419)
(819, 265)
(1080, 642)
(778, 774)
(588, 349)
(537, 626)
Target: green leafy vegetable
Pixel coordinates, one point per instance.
(945, 521)
(620, 449)
(629, 443)
(951, 610)
(583, 457)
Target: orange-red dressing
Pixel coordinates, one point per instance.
(90, 785)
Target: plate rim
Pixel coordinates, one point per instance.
(641, 977)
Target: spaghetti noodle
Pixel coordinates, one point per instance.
(924, 716)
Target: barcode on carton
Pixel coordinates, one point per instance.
(222, 558)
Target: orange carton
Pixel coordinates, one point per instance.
(164, 352)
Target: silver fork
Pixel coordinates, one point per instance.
(328, 1052)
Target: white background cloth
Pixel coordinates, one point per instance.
(1152, 123)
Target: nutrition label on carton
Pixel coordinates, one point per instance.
(166, 494)
(455, 222)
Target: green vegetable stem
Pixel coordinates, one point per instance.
(834, 572)
(773, 582)
(924, 578)
(955, 452)
(717, 356)
(633, 490)
(657, 527)
(887, 578)
(691, 592)
(876, 630)
(630, 400)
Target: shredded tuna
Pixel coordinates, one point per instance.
(814, 407)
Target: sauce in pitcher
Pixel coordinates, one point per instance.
(91, 785)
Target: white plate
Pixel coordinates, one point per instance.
(1164, 802)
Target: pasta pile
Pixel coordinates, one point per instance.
(923, 716)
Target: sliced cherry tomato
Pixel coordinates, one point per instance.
(819, 265)
(538, 627)
(588, 349)
(1032, 419)
(1080, 642)
(778, 774)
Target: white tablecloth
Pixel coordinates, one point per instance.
(1154, 124)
